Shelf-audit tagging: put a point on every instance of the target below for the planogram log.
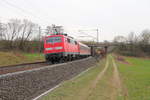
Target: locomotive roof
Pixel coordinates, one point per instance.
(61, 35)
(69, 38)
(83, 44)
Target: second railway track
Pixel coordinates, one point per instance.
(21, 67)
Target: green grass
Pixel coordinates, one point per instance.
(12, 58)
(136, 78)
(82, 88)
(103, 89)
(76, 88)
(34, 56)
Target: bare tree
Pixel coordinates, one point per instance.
(17, 34)
(135, 45)
(132, 38)
(26, 32)
(48, 29)
(11, 31)
(1, 31)
(145, 36)
(120, 39)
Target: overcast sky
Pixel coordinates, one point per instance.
(112, 17)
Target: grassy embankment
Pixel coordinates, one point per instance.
(122, 82)
(12, 58)
(95, 84)
(136, 77)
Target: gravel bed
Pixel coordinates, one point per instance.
(27, 85)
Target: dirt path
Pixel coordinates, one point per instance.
(115, 86)
(118, 88)
(116, 76)
(100, 75)
(116, 83)
(95, 82)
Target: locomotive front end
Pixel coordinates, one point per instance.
(53, 47)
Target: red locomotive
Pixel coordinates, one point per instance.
(60, 48)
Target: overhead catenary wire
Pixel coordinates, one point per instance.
(45, 14)
(30, 13)
(86, 35)
(24, 11)
(97, 31)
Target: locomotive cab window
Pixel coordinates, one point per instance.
(75, 42)
(68, 40)
(72, 42)
(54, 40)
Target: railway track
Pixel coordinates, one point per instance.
(28, 84)
(21, 67)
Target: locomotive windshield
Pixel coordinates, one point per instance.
(53, 40)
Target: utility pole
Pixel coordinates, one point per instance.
(39, 33)
(97, 32)
(39, 38)
(97, 36)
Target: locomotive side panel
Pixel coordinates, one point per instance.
(71, 46)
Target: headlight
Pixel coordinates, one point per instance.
(49, 48)
(57, 48)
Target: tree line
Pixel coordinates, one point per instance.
(133, 44)
(26, 36)
(21, 35)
